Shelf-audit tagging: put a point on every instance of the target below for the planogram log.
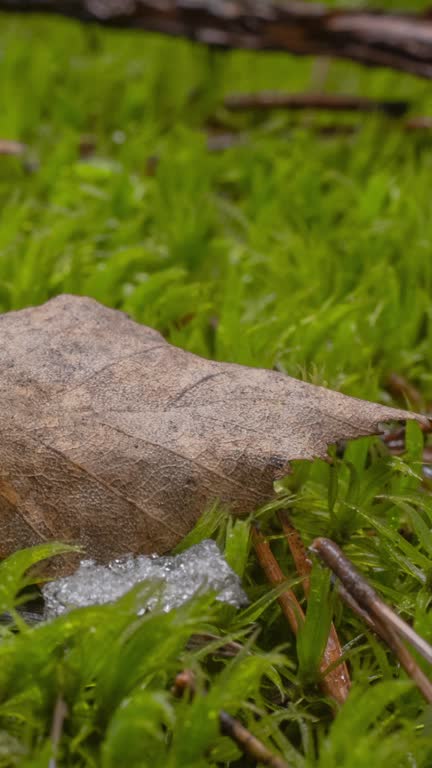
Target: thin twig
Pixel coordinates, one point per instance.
(396, 645)
(363, 599)
(185, 683)
(59, 716)
(366, 596)
(248, 743)
(293, 612)
(329, 102)
(398, 40)
(337, 677)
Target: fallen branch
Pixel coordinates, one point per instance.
(395, 40)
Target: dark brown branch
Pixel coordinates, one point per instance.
(331, 102)
(395, 40)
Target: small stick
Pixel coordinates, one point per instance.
(338, 677)
(332, 102)
(365, 595)
(394, 643)
(248, 743)
(333, 683)
(229, 726)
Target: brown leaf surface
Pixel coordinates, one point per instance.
(114, 438)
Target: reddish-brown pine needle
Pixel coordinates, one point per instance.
(334, 683)
(288, 602)
(338, 676)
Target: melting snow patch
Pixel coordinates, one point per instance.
(202, 567)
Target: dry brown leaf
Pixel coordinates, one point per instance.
(114, 438)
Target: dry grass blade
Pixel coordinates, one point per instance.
(364, 601)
